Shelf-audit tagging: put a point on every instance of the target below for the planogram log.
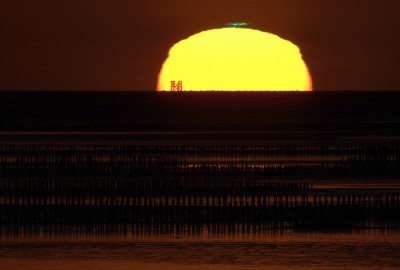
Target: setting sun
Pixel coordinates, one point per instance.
(234, 59)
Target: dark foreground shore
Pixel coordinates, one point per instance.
(285, 160)
(362, 112)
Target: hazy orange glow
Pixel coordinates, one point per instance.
(235, 59)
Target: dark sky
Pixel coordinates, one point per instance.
(121, 44)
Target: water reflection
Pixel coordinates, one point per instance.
(203, 248)
(199, 206)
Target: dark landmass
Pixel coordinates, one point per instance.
(197, 111)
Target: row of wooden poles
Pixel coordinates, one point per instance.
(176, 230)
(231, 149)
(143, 160)
(142, 229)
(156, 184)
(16, 215)
(137, 200)
(233, 198)
(83, 186)
(329, 169)
(331, 160)
(119, 206)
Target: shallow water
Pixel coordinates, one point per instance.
(203, 250)
(218, 247)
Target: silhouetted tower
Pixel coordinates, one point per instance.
(176, 86)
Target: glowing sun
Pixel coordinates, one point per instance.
(230, 59)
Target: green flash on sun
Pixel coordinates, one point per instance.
(237, 24)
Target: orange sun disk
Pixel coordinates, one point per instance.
(235, 59)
